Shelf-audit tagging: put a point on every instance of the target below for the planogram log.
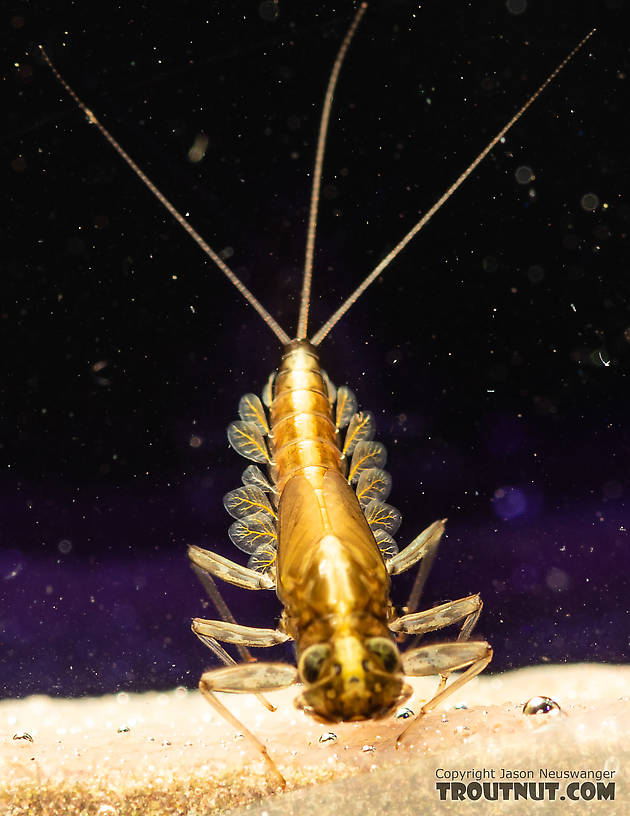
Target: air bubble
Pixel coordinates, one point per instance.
(541, 705)
(524, 174)
(329, 736)
(64, 546)
(589, 202)
(557, 579)
(535, 273)
(268, 10)
(516, 6)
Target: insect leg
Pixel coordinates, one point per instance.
(210, 632)
(419, 623)
(229, 571)
(225, 657)
(438, 617)
(443, 658)
(222, 608)
(424, 546)
(424, 549)
(235, 633)
(246, 679)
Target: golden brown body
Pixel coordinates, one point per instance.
(302, 426)
(331, 577)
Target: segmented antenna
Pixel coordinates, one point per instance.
(336, 317)
(282, 336)
(317, 174)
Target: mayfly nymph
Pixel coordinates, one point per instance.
(313, 518)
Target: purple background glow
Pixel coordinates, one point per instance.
(480, 351)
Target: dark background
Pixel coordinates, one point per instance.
(493, 352)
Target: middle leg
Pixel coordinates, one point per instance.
(419, 623)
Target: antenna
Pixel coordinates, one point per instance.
(282, 336)
(336, 317)
(317, 173)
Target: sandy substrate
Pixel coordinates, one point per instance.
(168, 753)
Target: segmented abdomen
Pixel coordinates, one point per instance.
(302, 436)
(302, 429)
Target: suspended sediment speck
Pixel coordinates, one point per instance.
(198, 149)
(24, 735)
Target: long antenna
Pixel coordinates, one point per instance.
(336, 317)
(317, 174)
(282, 336)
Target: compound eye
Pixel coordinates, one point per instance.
(312, 661)
(385, 651)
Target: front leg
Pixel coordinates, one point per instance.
(442, 659)
(248, 678)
